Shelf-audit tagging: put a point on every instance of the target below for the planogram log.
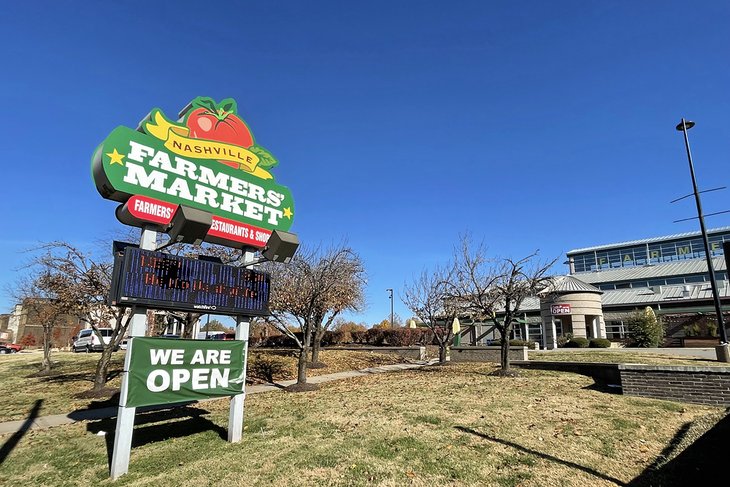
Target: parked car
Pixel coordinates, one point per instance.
(88, 341)
(10, 348)
(123, 345)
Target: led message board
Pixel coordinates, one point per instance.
(163, 281)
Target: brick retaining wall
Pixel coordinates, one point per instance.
(701, 385)
(486, 354)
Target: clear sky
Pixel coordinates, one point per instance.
(398, 125)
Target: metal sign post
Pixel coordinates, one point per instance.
(235, 414)
(125, 415)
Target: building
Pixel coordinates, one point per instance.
(607, 284)
(667, 273)
(25, 323)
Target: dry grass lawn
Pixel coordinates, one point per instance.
(451, 425)
(73, 374)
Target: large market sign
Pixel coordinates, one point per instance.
(208, 160)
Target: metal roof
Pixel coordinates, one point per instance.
(646, 241)
(674, 294)
(568, 284)
(667, 294)
(665, 269)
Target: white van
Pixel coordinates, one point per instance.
(87, 341)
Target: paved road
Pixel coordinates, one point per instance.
(706, 353)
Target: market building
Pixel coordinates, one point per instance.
(607, 284)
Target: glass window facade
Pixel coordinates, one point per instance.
(651, 253)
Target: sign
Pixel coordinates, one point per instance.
(165, 371)
(207, 160)
(560, 309)
(163, 281)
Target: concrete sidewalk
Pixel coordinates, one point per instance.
(43, 422)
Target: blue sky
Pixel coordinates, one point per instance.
(398, 125)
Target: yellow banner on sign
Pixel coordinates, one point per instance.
(176, 139)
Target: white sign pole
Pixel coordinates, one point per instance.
(125, 415)
(235, 414)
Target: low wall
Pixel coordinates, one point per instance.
(604, 374)
(701, 385)
(486, 354)
(415, 353)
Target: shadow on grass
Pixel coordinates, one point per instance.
(154, 426)
(9, 445)
(545, 456)
(703, 462)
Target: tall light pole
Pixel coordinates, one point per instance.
(683, 126)
(390, 290)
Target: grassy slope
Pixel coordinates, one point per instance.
(73, 374)
(437, 426)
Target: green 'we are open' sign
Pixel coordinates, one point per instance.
(165, 371)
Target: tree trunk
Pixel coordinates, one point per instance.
(102, 367)
(318, 334)
(505, 350)
(302, 365)
(47, 364)
(442, 352)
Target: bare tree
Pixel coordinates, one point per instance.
(42, 303)
(494, 289)
(428, 299)
(310, 293)
(346, 294)
(80, 285)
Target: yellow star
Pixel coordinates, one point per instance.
(115, 158)
(288, 213)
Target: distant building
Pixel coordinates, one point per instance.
(668, 273)
(27, 319)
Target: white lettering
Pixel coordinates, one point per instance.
(151, 379)
(200, 375)
(253, 210)
(177, 357)
(198, 358)
(211, 357)
(179, 187)
(138, 176)
(179, 376)
(160, 356)
(139, 152)
(206, 195)
(219, 378)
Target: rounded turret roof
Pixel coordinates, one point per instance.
(568, 284)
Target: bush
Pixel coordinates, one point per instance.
(577, 342)
(359, 336)
(336, 337)
(27, 340)
(375, 336)
(402, 337)
(562, 340)
(267, 367)
(645, 330)
(600, 343)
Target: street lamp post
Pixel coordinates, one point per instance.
(390, 290)
(722, 355)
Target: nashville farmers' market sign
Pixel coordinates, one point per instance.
(207, 160)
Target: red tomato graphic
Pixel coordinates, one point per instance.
(219, 126)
